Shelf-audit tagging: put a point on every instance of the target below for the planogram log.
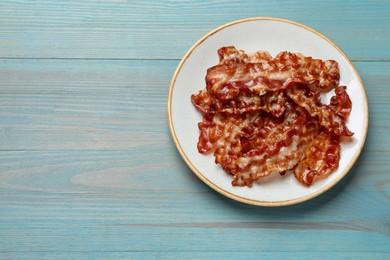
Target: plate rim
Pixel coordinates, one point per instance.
(237, 197)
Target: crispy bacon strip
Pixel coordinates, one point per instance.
(332, 116)
(210, 132)
(218, 131)
(227, 79)
(341, 104)
(321, 159)
(230, 54)
(273, 102)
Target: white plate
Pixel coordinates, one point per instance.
(250, 35)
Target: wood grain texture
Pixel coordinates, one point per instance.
(167, 29)
(88, 169)
(83, 104)
(200, 255)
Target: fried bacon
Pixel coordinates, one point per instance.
(230, 54)
(332, 116)
(273, 102)
(238, 71)
(321, 159)
(263, 115)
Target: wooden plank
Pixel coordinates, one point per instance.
(117, 104)
(65, 104)
(81, 222)
(193, 255)
(166, 30)
(74, 171)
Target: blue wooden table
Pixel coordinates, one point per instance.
(88, 169)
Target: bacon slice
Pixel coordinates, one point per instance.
(341, 104)
(219, 131)
(227, 79)
(332, 116)
(321, 159)
(273, 102)
(230, 54)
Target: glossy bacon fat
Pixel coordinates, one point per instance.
(264, 115)
(259, 73)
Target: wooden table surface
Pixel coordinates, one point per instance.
(88, 168)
